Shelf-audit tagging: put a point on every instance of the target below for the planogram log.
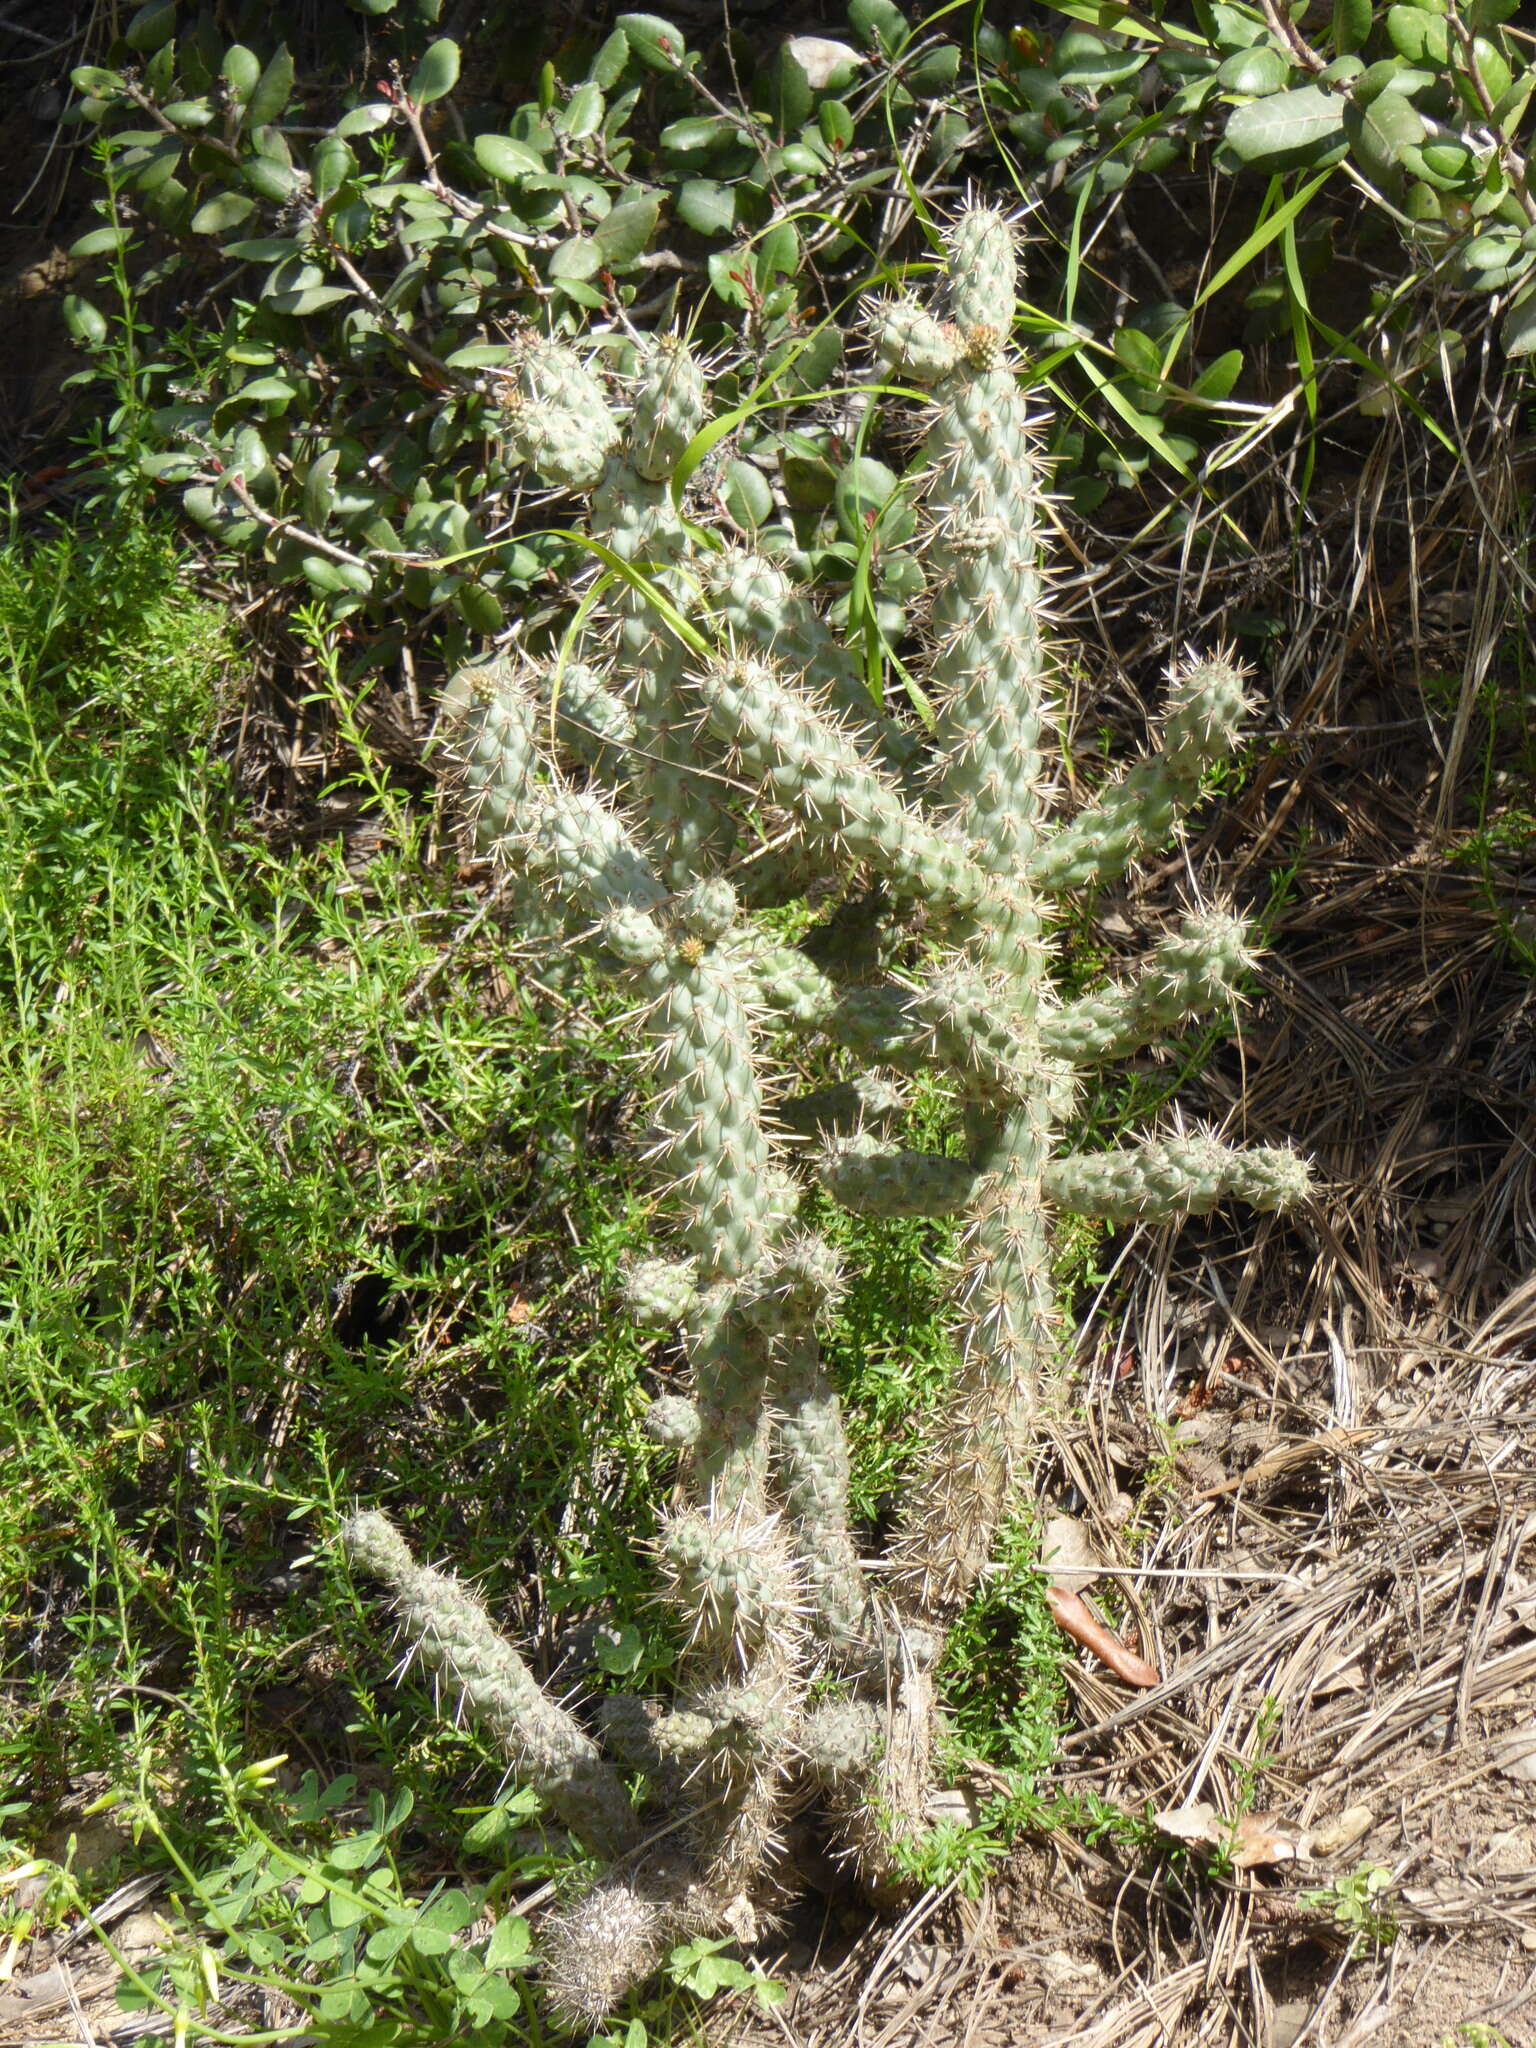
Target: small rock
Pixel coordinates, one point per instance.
(142, 1932)
(1287, 2021)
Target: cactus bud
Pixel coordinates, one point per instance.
(660, 1292)
(557, 420)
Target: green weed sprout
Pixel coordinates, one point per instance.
(626, 793)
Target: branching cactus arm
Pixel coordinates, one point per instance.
(1193, 972)
(1204, 716)
(452, 1633)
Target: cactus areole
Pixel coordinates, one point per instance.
(622, 793)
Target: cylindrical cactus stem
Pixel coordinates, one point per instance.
(751, 1722)
(673, 1420)
(556, 418)
(659, 1293)
(1009, 1319)
(812, 1474)
(713, 1150)
(669, 404)
(990, 674)
(873, 1178)
(791, 987)
(839, 1740)
(1205, 711)
(967, 1023)
(912, 342)
(759, 607)
(1176, 1176)
(734, 1585)
(488, 727)
(1192, 971)
(799, 1281)
(883, 1808)
(734, 1833)
(812, 765)
(687, 824)
(731, 1359)
(959, 1018)
(981, 272)
(452, 1633)
(712, 1145)
(587, 719)
(580, 850)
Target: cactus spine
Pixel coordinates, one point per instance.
(616, 793)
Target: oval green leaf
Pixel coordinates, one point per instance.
(437, 73)
(273, 91)
(505, 159)
(657, 44)
(626, 232)
(1288, 129)
(707, 206)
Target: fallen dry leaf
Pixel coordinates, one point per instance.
(822, 59)
(1071, 1562)
(1251, 1839)
(1071, 1614)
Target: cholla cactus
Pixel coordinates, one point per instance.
(615, 790)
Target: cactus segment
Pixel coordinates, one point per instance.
(982, 271)
(792, 986)
(489, 727)
(450, 1630)
(671, 1419)
(660, 1292)
(1206, 708)
(876, 1179)
(713, 1146)
(813, 764)
(794, 1286)
(556, 418)
(1169, 1177)
(1008, 1322)
(733, 1583)
(707, 911)
(837, 1740)
(1192, 971)
(757, 606)
(580, 849)
(990, 670)
(668, 407)
(687, 826)
(600, 1947)
(743, 1721)
(910, 342)
(589, 721)
(812, 1454)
